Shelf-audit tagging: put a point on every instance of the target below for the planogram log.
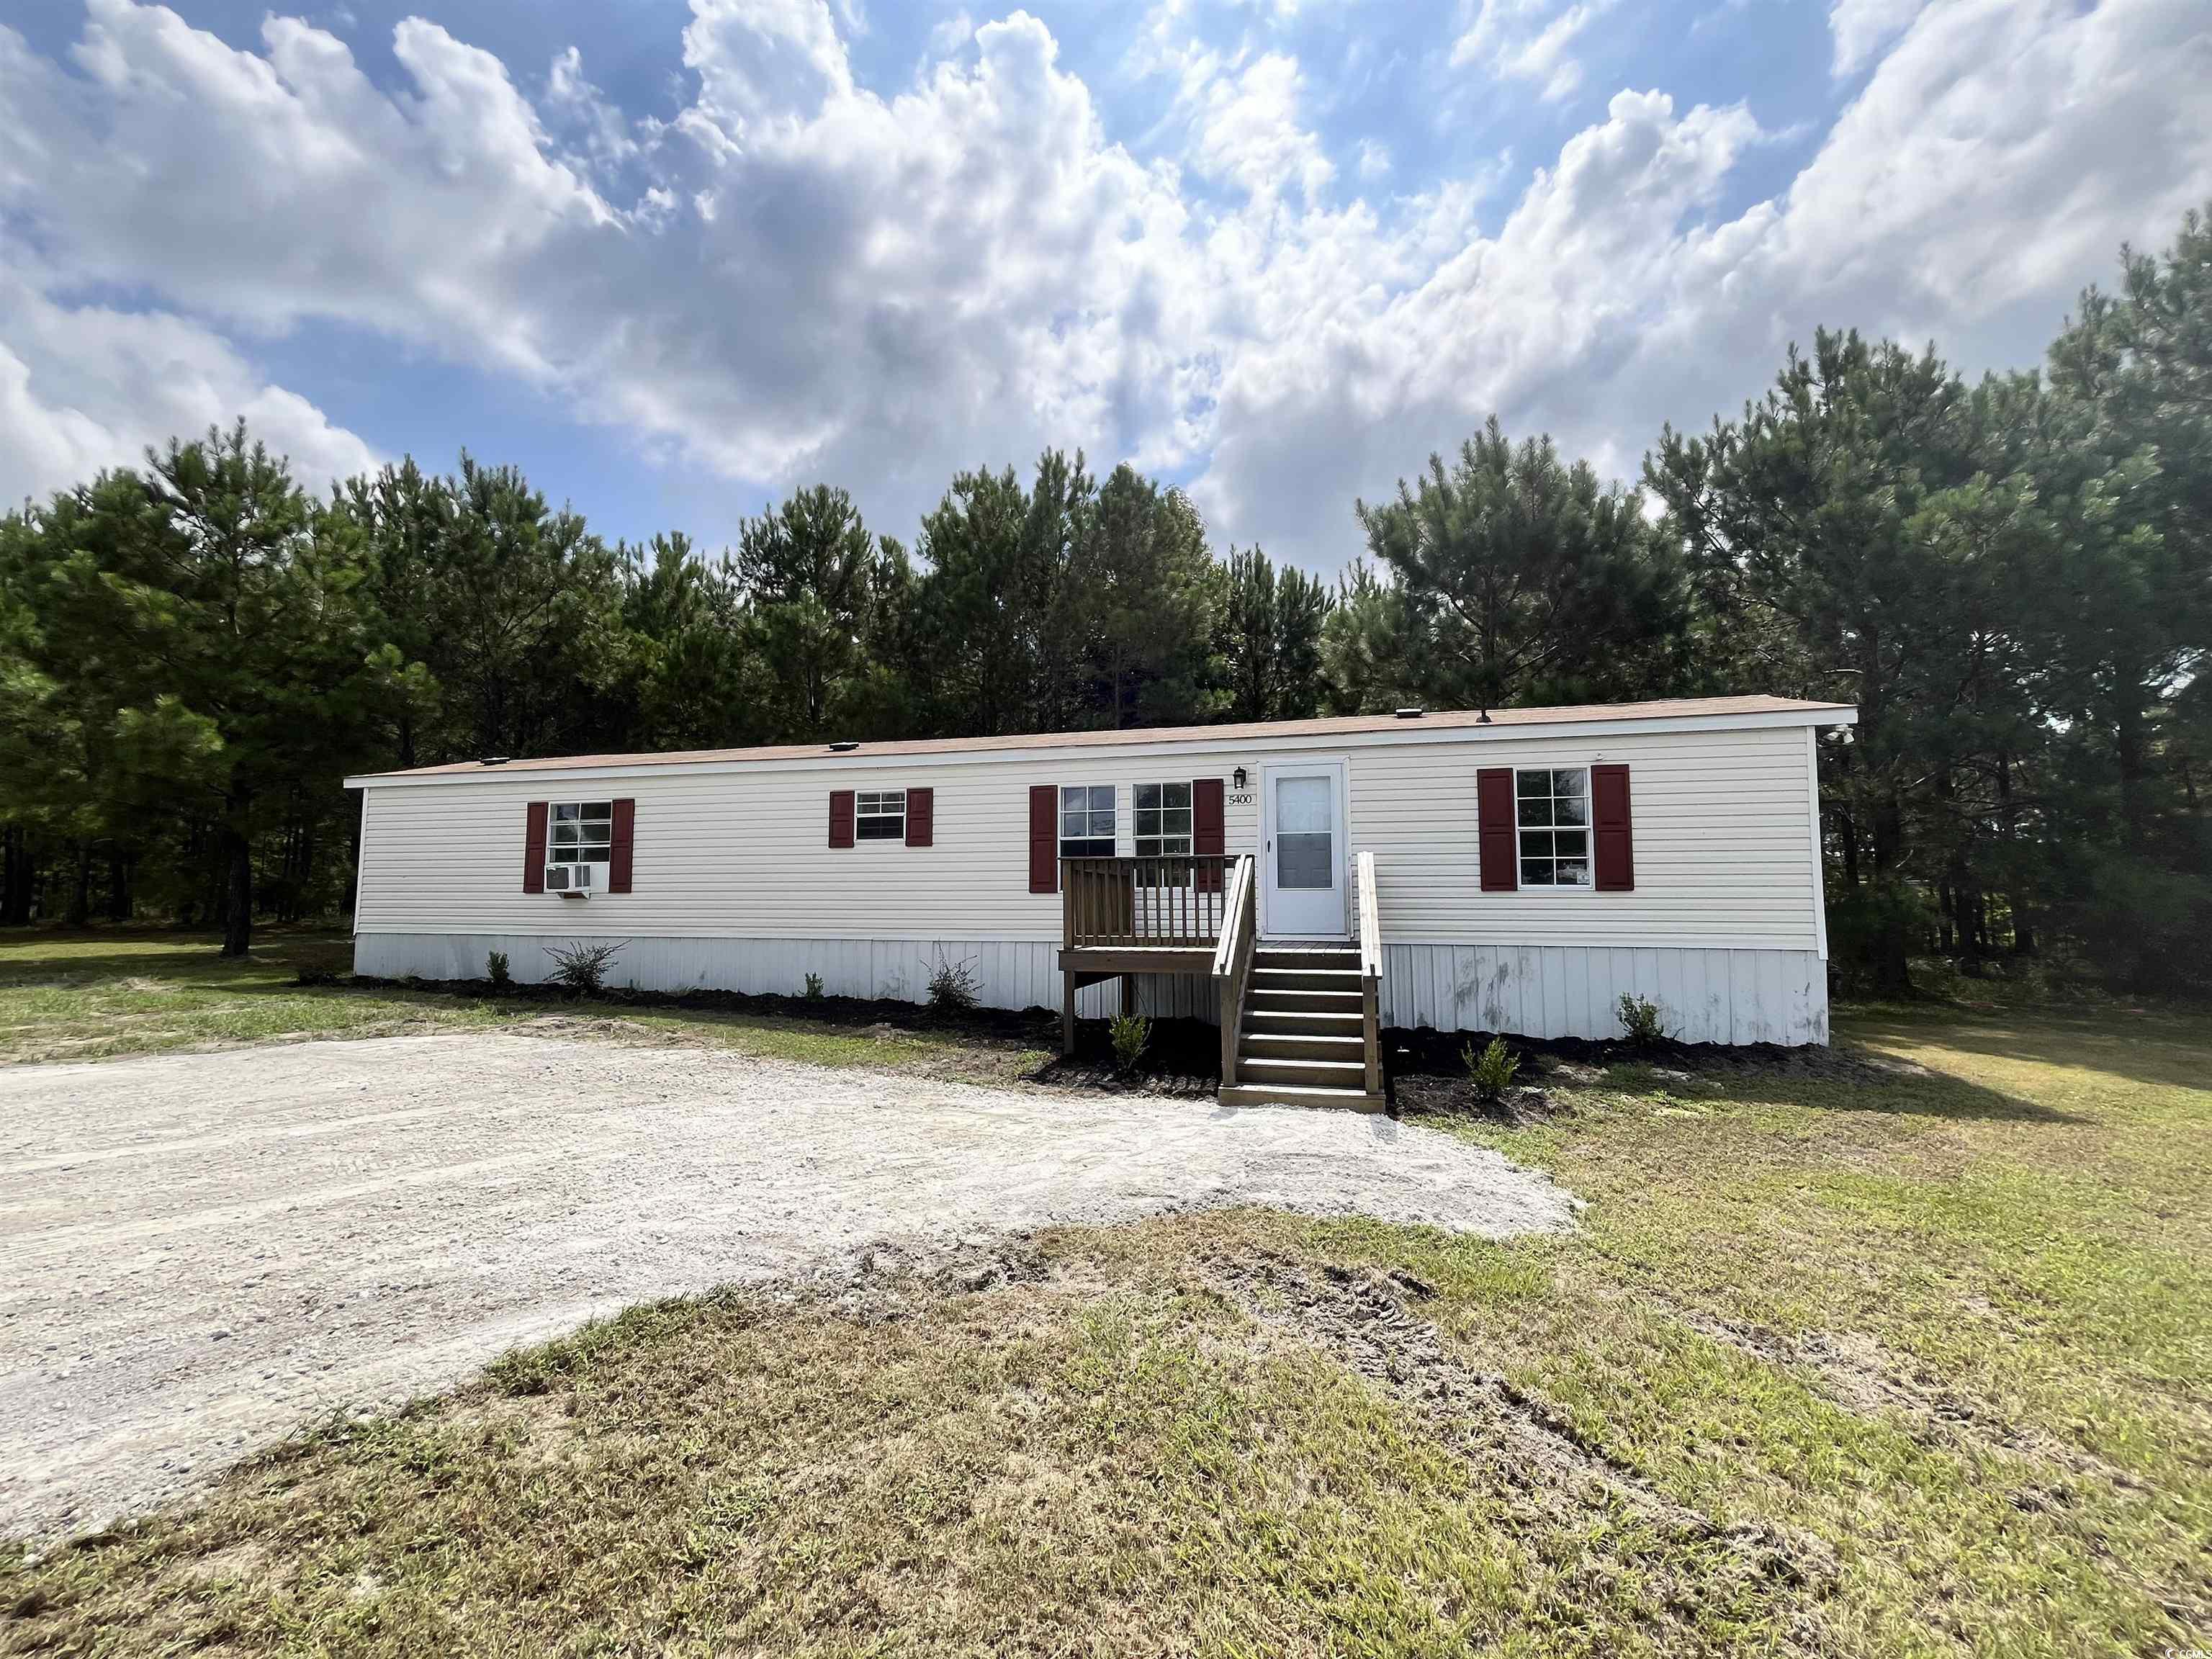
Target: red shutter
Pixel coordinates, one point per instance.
(1209, 834)
(618, 854)
(1499, 842)
(920, 817)
(1044, 838)
(841, 817)
(1609, 820)
(533, 849)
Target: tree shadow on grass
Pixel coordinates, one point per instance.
(2168, 1049)
(1844, 1078)
(184, 965)
(1851, 1079)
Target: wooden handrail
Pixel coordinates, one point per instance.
(1235, 906)
(1370, 921)
(1176, 901)
(1370, 970)
(1233, 957)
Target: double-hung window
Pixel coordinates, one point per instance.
(1087, 821)
(1163, 826)
(879, 815)
(580, 839)
(1552, 813)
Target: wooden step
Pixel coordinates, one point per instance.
(1350, 1022)
(1269, 1000)
(1316, 1074)
(1304, 1045)
(1330, 979)
(1343, 961)
(1276, 1094)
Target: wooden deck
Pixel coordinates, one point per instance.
(1298, 1017)
(1122, 917)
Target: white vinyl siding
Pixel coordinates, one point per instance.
(1722, 824)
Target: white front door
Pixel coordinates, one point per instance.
(1302, 850)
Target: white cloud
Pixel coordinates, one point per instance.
(764, 59)
(808, 278)
(1250, 131)
(1863, 27)
(87, 387)
(949, 34)
(598, 126)
(1527, 40)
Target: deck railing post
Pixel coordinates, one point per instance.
(1370, 970)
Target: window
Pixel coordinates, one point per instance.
(580, 839)
(879, 815)
(1087, 821)
(1163, 824)
(1552, 815)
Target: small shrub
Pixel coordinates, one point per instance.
(1640, 1018)
(1132, 1034)
(814, 987)
(495, 970)
(1492, 1070)
(580, 969)
(953, 987)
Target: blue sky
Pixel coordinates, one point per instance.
(676, 258)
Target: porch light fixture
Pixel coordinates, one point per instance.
(1239, 776)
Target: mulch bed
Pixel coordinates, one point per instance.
(1182, 1062)
(1029, 1027)
(1428, 1069)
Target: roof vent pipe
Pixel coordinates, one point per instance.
(843, 746)
(493, 760)
(1409, 714)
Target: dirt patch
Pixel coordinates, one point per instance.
(1368, 1321)
(1416, 1097)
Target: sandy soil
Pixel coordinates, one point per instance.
(199, 1253)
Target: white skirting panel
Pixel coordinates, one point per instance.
(1575, 991)
(1009, 974)
(1534, 991)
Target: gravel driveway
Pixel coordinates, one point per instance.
(198, 1252)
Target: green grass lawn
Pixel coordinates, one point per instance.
(1902, 1349)
(100, 993)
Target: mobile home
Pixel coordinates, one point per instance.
(1305, 883)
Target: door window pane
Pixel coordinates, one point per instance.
(1306, 832)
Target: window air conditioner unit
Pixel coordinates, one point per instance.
(570, 880)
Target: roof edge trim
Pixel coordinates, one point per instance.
(1412, 732)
